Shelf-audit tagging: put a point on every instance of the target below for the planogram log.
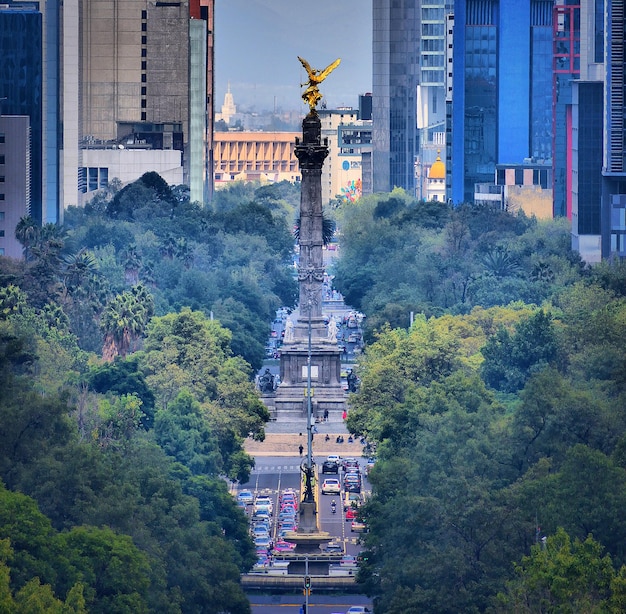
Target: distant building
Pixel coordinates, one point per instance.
(268, 157)
(228, 108)
(347, 170)
(519, 187)
(436, 189)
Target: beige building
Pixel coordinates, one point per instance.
(255, 156)
(346, 173)
(526, 187)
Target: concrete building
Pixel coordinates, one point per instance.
(519, 187)
(255, 156)
(15, 180)
(147, 69)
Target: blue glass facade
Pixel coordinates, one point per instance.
(21, 81)
(502, 88)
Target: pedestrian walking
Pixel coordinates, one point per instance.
(344, 415)
(301, 448)
(326, 415)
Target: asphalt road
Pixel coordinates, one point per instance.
(274, 474)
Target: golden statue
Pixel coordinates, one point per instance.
(311, 94)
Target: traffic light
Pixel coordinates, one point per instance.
(307, 582)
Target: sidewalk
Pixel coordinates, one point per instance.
(286, 444)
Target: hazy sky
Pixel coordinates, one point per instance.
(257, 43)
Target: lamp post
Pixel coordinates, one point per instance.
(308, 496)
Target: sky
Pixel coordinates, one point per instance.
(257, 44)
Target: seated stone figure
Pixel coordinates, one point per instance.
(266, 382)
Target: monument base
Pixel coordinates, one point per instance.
(327, 393)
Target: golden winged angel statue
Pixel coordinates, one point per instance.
(311, 94)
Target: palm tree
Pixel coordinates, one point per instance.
(27, 233)
(124, 320)
(328, 229)
(499, 262)
(132, 264)
(78, 267)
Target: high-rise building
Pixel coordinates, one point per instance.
(408, 95)
(395, 77)
(22, 88)
(587, 135)
(613, 216)
(502, 89)
(146, 92)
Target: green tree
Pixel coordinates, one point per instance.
(561, 576)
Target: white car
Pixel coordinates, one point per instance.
(331, 486)
(357, 609)
(264, 504)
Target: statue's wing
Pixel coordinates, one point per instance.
(306, 65)
(329, 69)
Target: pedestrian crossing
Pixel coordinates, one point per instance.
(287, 468)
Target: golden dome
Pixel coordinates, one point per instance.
(438, 169)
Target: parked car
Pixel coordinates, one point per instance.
(331, 486)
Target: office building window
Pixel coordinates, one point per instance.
(1, 233)
(2, 159)
(1, 178)
(144, 65)
(2, 138)
(1, 215)
(1, 251)
(2, 197)
(93, 179)
(519, 176)
(104, 178)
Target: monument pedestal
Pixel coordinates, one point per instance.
(327, 392)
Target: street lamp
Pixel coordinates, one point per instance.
(308, 496)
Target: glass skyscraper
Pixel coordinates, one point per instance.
(396, 70)
(502, 89)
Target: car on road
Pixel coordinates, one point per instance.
(246, 496)
(358, 526)
(283, 546)
(333, 548)
(330, 466)
(358, 609)
(263, 542)
(351, 513)
(352, 484)
(263, 503)
(347, 560)
(331, 486)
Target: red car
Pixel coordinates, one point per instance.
(351, 513)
